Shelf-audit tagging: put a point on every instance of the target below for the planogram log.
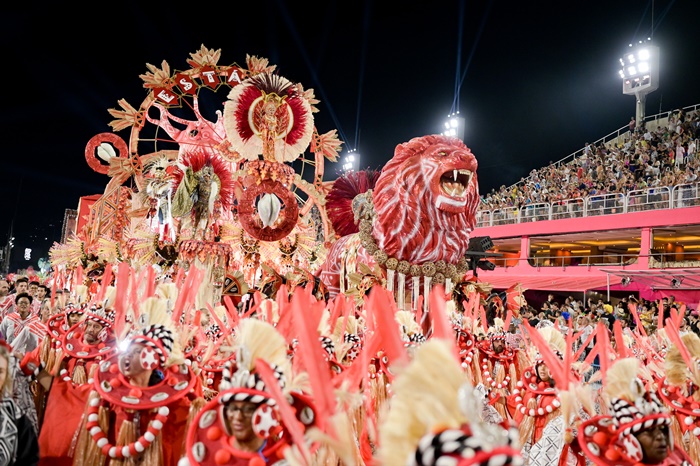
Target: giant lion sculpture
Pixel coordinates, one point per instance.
(416, 221)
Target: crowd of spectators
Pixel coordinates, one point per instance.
(585, 315)
(641, 158)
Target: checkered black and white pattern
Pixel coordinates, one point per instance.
(158, 337)
(459, 446)
(645, 413)
(241, 378)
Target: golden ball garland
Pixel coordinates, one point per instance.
(438, 271)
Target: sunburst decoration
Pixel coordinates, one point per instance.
(157, 77)
(259, 65)
(296, 248)
(109, 250)
(327, 144)
(127, 117)
(362, 281)
(140, 247)
(70, 254)
(282, 135)
(204, 57)
(309, 96)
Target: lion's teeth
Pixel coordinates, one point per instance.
(454, 174)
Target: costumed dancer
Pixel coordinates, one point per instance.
(499, 368)
(140, 398)
(637, 430)
(536, 403)
(252, 420)
(434, 417)
(66, 376)
(680, 391)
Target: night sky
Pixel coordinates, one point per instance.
(534, 81)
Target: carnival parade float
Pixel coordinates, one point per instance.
(220, 167)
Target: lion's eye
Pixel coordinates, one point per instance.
(443, 153)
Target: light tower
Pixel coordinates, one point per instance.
(454, 126)
(640, 74)
(351, 161)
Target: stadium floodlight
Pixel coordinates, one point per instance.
(454, 126)
(351, 161)
(640, 74)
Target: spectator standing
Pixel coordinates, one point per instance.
(680, 155)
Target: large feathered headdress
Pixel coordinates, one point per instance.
(434, 417)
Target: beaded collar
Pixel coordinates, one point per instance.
(438, 271)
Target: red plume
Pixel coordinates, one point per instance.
(554, 364)
(306, 319)
(285, 409)
(122, 284)
(381, 303)
(633, 310)
(619, 340)
(340, 197)
(441, 324)
(675, 337)
(106, 280)
(602, 347)
(231, 310)
(79, 275)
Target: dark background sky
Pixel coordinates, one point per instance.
(537, 79)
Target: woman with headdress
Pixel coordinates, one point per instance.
(638, 429)
(259, 412)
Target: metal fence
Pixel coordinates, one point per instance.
(656, 198)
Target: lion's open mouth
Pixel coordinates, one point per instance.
(454, 182)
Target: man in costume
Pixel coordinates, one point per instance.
(65, 378)
(680, 391)
(499, 368)
(144, 400)
(537, 403)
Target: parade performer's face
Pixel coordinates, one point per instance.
(22, 287)
(655, 443)
(23, 307)
(4, 288)
(41, 293)
(45, 311)
(543, 372)
(239, 416)
(130, 361)
(498, 346)
(74, 318)
(92, 332)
